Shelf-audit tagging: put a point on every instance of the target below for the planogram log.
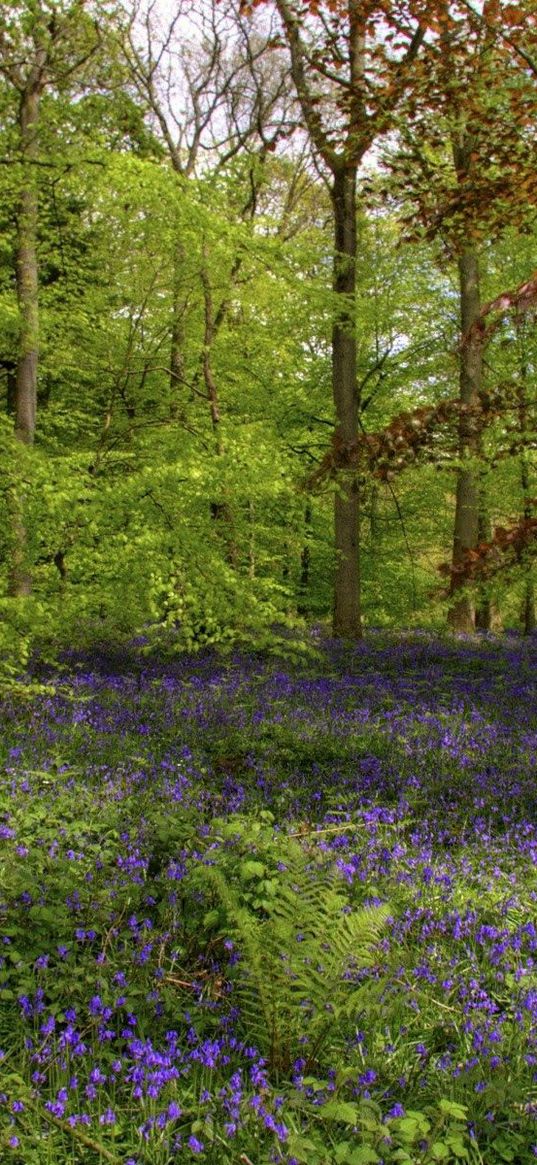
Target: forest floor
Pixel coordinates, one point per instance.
(259, 911)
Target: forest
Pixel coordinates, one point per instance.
(268, 518)
(266, 302)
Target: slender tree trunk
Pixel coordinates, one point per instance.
(461, 616)
(529, 614)
(484, 610)
(11, 387)
(286, 570)
(305, 563)
(25, 403)
(251, 539)
(347, 609)
(26, 273)
(530, 621)
(177, 338)
(220, 510)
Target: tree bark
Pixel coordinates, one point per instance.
(461, 616)
(530, 621)
(220, 510)
(25, 403)
(528, 614)
(27, 273)
(177, 339)
(347, 621)
(305, 562)
(483, 610)
(10, 367)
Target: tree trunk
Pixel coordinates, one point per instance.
(220, 510)
(10, 367)
(347, 609)
(305, 563)
(20, 582)
(177, 339)
(251, 539)
(26, 273)
(483, 610)
(461, 616)
(529, 620)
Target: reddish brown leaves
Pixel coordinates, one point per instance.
(521, 300)
(390, 450)
(515, 15)
(508, 547)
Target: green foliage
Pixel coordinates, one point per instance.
(300, 948)
(419, 1138)
(124, 877)
(131, 467)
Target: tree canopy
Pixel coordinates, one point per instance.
(237, 256)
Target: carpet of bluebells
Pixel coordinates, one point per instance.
(405, 769)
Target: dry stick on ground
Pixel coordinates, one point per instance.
(76, 1133)
(308, 830)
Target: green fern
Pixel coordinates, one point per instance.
(295, 977)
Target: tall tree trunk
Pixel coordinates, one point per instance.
(220, 510)
(251, 539)
(483, 610)
(347, 621)
(20, 581)
(177, 338)
(26, 272)
(528, 614)
(530, 621)
(461, 616)
(305, 562)
(11, 386)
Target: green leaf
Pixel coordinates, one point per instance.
(408, 1128)
(457, 1147)
(305, 1150)
(503, 1149)
(340, 1110)
(251, 869)
(364, 1155)
(439, 1151)
(211, 919)
(342, 1152)
(451, 1108)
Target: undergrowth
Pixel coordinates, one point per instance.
(265, 913)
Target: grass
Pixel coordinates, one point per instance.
(261, 911)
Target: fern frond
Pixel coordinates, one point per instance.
(258, 991)
(295, 976)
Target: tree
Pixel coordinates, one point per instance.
(349, 81)
(465, 162)
(209, 95)
(41, 45)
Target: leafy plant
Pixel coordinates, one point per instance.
(299, 960)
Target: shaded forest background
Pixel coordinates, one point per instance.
(259, 268)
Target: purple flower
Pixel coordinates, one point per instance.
(108, 1117)
(56, 1107)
